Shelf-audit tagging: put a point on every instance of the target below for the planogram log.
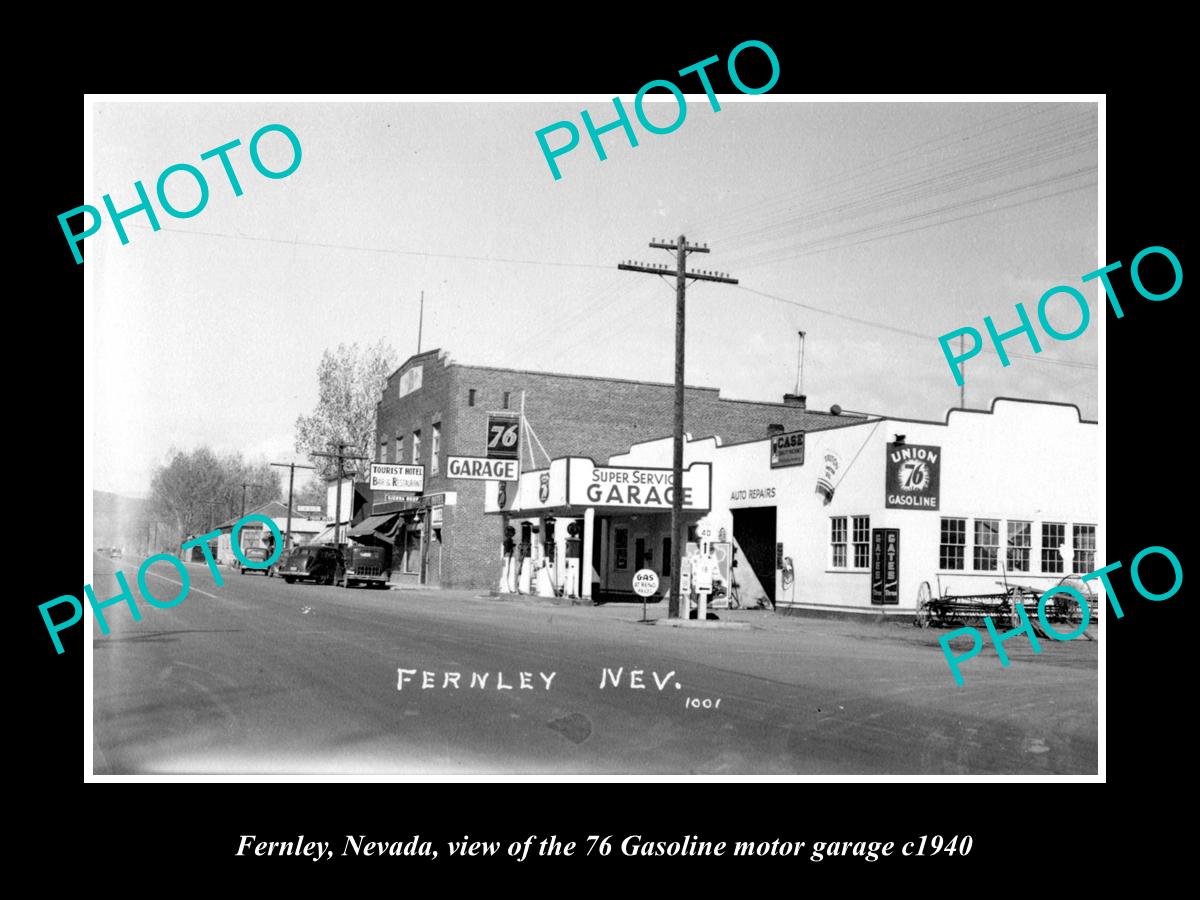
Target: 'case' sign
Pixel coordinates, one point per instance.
(787, 449)
(914, 476)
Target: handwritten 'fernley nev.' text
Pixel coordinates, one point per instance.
(611, 678)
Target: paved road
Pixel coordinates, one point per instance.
(257, 676)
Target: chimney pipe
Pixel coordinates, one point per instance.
(799, 400)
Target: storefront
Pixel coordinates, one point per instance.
(411, 525)
(580, 529)
(855, 518)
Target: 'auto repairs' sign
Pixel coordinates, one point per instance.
(914, 476)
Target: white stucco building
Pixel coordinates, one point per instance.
(848, 518)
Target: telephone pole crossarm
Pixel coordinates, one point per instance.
(653, 269)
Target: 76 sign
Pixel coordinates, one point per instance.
(503, 437)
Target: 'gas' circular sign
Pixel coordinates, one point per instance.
(645, 583)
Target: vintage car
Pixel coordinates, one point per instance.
(319, 563)
(256, 555)
(366, 565)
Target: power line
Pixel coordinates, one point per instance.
(982, 212)
(904, 331)
(267, 240)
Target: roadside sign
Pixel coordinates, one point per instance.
(385, 476)
(503, 436)
(645, 583)
(315, 509)
(481, 468)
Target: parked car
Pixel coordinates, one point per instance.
(366, 565)
(258, 555)
(319, 563)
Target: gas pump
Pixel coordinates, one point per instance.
(571, 584)
(508, 573)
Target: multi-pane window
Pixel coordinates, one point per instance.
(953, 548)
(837, 541)
(862, 542)
(435, 447)
(399, 448)
(1020, 536)
(987, 544)
(416, 444)
(382, 457)
(1054, 535)
(1083, 542)
(620, 548)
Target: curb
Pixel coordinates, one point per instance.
(688, 623)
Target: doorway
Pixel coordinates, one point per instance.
(754, 531)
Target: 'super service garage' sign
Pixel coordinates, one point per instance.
(593, 485)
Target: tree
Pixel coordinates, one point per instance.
(311, 493)
(198, 489)
(351, 382)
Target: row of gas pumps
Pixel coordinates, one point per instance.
(543, 557)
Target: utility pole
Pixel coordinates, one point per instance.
(962, 388)
(800, 367)
(421, 322)
(681, 248)
(341, 458)
(292, 467)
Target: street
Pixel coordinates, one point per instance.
(261, 677)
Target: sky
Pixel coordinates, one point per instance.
(872, 227)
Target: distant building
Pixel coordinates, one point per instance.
(253, 533)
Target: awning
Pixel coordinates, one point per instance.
(375, 526)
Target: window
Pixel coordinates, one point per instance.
(665, 562)
(1020, 537)
(620, 548)
(953, 549)
(506, 396)
(471, 397)
(435, 447)
(416, 446)
(837, 541)
(1083, 540)
(399, 445)
(382, 457)
(1054, 535)
(987, 544)
(862, 542)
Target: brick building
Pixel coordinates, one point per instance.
(433, 408)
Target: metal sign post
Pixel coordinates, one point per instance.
(645, 584)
